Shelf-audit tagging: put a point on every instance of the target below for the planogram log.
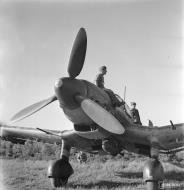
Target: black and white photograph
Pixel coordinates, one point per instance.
(91, 94)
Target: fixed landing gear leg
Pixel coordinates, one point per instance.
(60, 170)
(153, 174)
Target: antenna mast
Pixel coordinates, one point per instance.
(124, 93)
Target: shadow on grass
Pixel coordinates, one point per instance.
(174, 188)
(171, 175)
(103, 184)
(129, 174)
(175, 175)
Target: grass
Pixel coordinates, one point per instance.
(112, 174)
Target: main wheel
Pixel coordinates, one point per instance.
(154, 185)
(58, 182)
(59, 171)
(153, 174)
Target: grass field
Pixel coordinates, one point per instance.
(114, 175)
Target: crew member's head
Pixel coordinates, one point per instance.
(103, 70)
(133, 104)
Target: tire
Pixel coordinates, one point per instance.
(58, 182)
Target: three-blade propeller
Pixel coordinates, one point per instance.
(98, 114)
(75, 65)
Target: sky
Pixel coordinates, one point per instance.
(140, 42)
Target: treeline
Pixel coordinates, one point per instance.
(44, 151)
(34, 150)
(29, 150)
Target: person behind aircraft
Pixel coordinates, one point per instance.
(135, 114)
(150, 123)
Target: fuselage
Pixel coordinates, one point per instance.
(135, 138)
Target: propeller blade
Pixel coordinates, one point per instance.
(78, 54)
(100, 116)
(30, 110)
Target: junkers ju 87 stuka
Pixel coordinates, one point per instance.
(98, 125)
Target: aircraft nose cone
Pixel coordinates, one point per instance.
(58, 83)
(66, 89)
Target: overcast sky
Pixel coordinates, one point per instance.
(139, 41)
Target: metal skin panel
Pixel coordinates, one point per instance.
(97, 94)
(71, 108)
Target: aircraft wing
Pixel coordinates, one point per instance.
(168, 139)
(89, 141)
(21, 134)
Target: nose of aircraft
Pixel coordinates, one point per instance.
(66, 90)
(58, 84)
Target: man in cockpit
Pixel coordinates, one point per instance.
(100, 77)
(135, 114)
(100, 83)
